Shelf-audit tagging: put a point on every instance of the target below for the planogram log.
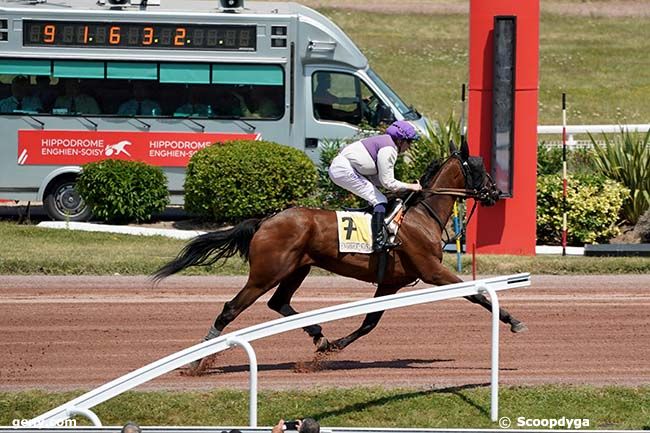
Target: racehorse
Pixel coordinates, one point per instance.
(281, 249)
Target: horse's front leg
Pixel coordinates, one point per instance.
(441, 276)
(369, 323)
(516, 326)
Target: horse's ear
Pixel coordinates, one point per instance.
(452, 147)
(464, 150)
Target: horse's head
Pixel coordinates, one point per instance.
(478, 182)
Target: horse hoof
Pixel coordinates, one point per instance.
(322, 345)
(518, 327)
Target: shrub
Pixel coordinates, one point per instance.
(330, 195)
(549, 160)
(626, 159)
(244, 179)
(123, 191)
(593, 205)
(426, 149)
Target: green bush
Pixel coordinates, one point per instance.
(549, 160)
(329, 195)
(244, 179)
(123, 191)
(436, 146)
(593, 204)
(626, 159)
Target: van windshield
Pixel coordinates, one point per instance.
(407, 111)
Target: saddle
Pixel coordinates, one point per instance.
(393, 220)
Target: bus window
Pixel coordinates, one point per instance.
(75, 100)
(125, 89)
(344, 97)
(19, 97)
(140, 103)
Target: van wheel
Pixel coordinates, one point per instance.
(62, 202)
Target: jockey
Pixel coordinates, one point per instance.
(370, 162)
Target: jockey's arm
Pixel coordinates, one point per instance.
(386, 158)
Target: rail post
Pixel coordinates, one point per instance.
(494, 388)
(252, 359)
(72, 411)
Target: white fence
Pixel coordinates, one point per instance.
(82, 405)
(595, 130)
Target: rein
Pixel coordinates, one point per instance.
(443, 227)
(455, 192)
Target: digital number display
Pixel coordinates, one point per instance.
(138, 35)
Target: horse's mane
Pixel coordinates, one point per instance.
(425, 180)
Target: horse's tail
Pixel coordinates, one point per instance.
(208, 248)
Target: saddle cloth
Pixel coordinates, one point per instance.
(355, 234)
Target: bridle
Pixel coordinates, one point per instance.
(481, 194)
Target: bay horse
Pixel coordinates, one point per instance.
(281, 249)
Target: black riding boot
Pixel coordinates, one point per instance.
(379, 233)
(377, 226)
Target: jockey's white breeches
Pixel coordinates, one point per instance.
(344, 175)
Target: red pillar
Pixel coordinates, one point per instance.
(509, 226)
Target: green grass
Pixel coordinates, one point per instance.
(466, 407)
(598, 62)
(34, 250)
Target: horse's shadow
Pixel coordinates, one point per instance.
(319, 365)
(338, 365)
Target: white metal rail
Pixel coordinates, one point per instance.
(571, 130)
(82, 404)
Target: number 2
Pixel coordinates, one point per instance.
(179, 39)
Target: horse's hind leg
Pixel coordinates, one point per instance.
(233, 308)
(369, 323)
(250, 293)
(281, 302)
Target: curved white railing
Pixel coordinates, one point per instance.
(83, 404)
(595, 130)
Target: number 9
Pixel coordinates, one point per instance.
(49, 31)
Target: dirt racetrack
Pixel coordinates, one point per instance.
(61, 333)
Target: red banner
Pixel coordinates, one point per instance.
(164, 149)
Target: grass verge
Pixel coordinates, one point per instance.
(424, 57)
(32, 250)
(461, 407)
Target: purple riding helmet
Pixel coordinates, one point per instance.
(402, 130)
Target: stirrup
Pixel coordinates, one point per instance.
(382, 246)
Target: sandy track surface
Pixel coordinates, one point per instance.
(61, 333)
